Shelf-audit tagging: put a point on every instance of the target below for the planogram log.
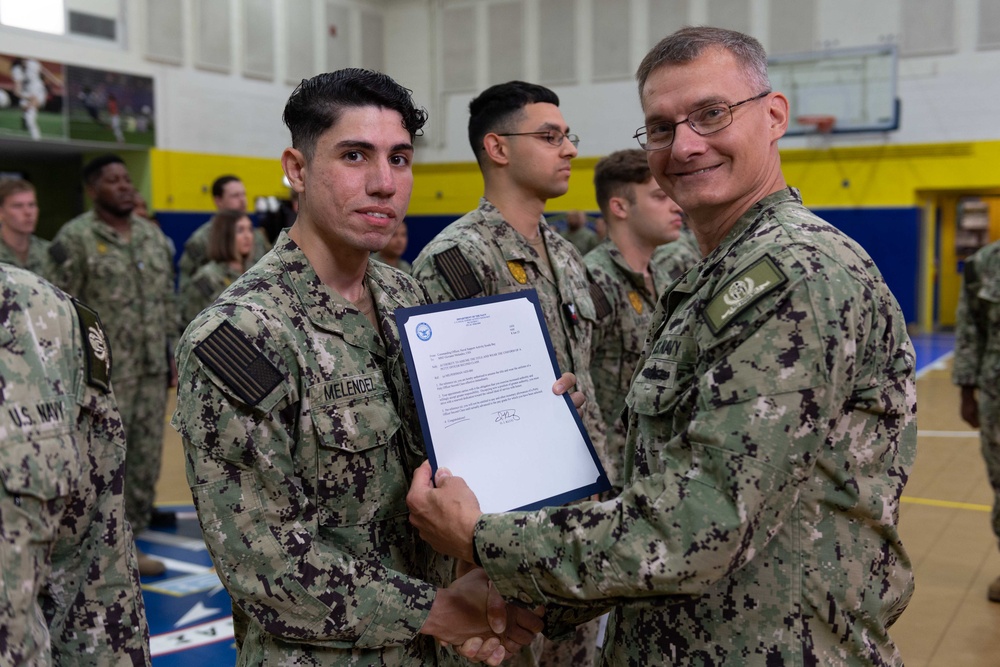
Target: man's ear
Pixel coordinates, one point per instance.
(778, 109)
(618, 207)
(293, 163)
(496, 149)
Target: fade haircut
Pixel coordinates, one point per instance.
(498, 108)
(616, 174)
(689, 43)
(92, 170)
(222, 235)
(13, 186)
(219, 184)
(317, 104)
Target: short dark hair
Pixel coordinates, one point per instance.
(497, 109)
(219, 184)
(222, 235)
(92, 170)
(615, 175)
(689, 43)
(12, 186)
(316, 104)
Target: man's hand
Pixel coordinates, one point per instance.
(446, 516)
(566, 382)
(970, 407)
(471, 615)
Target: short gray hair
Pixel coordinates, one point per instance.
(689, 43)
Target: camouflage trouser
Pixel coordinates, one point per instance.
(143, 405)
(989, 437)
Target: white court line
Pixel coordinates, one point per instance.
(197, 635)
(948, 434)
(171, 540)
(174, 565)
(936, 365)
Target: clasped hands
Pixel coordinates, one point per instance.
(474, 618)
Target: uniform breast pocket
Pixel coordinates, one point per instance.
(108, 267)
(38, 474)
(662, 401)
(361, 477)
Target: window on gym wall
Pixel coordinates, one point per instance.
(91, 19)
(41, 15)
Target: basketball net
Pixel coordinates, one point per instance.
(821, 129)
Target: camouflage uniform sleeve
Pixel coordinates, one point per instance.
(69, 261)
(106, 620)
(449, 273)
(61, 505)
(259, 521)
(607, 318)
(192, 257)
(970, 332)
(171, 303)
(713, 494)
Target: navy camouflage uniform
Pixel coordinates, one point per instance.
(617, 342)
(772, 426)
(301, 436)
(69, 581)
(205, 286)
(38, 260)
(130, 283)
(977, 355)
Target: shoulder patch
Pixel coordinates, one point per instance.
(57, 251)
(230, 354)
(741, 292)
(96, 349)
(458, 273)
(602, 307)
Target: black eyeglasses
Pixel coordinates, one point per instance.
(554, 137)
(704, 121)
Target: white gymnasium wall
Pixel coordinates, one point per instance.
(221, 87)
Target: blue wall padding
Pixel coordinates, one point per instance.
(892, 237)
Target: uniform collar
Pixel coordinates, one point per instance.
(748, 220)
(513, 244)
(108, 233)
(332, 312)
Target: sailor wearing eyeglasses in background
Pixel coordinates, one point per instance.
(524, 147)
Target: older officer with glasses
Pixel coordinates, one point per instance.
(524, 148)
(771, 421)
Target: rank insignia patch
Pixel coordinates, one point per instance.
(636, 301)
(517, 270)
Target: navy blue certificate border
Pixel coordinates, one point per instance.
(403, 315)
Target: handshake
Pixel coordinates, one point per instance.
(474, 618)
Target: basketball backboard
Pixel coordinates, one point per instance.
(855, 86)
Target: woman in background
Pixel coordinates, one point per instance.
(230, 246)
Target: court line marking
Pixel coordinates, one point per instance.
(951, 504)
(947, 434)
(936, 365)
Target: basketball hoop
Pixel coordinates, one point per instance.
(822, 124)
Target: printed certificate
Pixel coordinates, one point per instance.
(482, 372)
